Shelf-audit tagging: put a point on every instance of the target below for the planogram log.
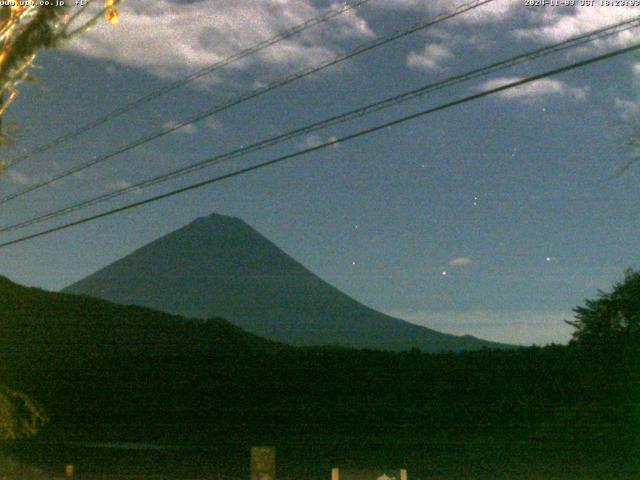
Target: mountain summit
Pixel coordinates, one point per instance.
(218, 266)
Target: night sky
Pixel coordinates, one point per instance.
(493, 218)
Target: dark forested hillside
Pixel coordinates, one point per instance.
(35, 322)
(113, 373)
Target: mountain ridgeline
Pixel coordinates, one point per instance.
(219, 266)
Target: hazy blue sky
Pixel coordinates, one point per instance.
(512, 196)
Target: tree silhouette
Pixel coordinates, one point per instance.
(612, 318)
(27, 29)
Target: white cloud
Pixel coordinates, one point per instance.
(629, 110)
(18, 178)
(187, 129)
(523, 327)
(459, 261)
(430, 58)
(313, 140)
(535, 90)
(169, 38)
(546, 25)
(556, 26)
(122, 185)
(496, 11)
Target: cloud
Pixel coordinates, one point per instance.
(169, 38)
(535, 90)
(555, 26)
(522, 327)
(313, 140)
(459, 261)
(498, 10)
(430, 58)
(18, 178)
(629, 110)
(544, 25)
(187, 129)
(121, 185)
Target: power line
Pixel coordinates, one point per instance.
(330, 143)
(573, 42)
(190, 78)
(423, 24)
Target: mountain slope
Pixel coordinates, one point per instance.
(219, 266)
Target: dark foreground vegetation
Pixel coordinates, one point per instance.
(111, 373)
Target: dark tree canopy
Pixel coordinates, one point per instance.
(612, 318)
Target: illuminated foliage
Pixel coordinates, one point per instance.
(20, 416)
(25, 30)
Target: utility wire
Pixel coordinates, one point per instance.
(330, 143)
(312, 22)
(573, 42)
(425, 23)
